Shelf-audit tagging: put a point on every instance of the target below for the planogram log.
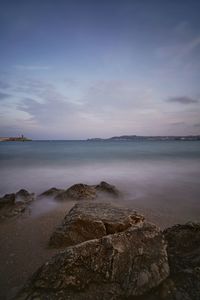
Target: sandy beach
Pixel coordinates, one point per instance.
(24, 247)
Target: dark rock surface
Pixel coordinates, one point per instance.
(107, 188)
(183, 246)
(117, 266)
(52, 192)
(184, 261)
(90, 220)
(7, 199)
(24, 196)
(82, 191)
(78, 191)
(14, 204)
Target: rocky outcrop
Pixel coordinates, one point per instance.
(107, 188)
(14, 204)
(78, 191)
(90, 220)
(82, 191)
(24, 196)
(7, 199)
(111, 253)
(52, 192)
(117, 266)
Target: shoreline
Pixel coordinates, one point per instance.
(24, 241)
(24, 248)
(25, 236)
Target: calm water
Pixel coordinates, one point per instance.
(157, 175)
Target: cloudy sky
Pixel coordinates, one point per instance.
(73, 69)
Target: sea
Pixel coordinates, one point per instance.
(162, 177)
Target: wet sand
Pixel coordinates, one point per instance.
(24, 247)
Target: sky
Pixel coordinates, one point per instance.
(74, 69)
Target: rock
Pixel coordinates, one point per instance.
(78, 191)
(24, 195)
(184, 261)
(90, 220)
(117, 266)
(182, 286)
(107, 188)
(8, 199)
(183, 246)
(82, 191)
(14, 204)
(53, 192)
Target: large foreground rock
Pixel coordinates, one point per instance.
(117, 266)
(184, 261)
(14, 204)
(183, 246)
(90, 220)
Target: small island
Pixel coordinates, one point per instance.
(21, 138)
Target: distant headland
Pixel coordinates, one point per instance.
(148, 138)
(21, 138)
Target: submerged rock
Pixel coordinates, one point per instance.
(82, 191)
(90, 220)
(52, 192)
(24, 195)
(78, 191)
(14, 204)
(7, 199)
(117, 266)
(107, 188)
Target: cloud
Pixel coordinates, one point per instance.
(183, 28)
(197, 125)
(117, 95)
(179, 49)
(33, 87)
(4, 85)
(3, 96)
(40, 106)
(191, 45)
(183, 100)
(179, 57)
(32, 67)
(177, 123)
(71, 82)
(53, 111)
(102, 108)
